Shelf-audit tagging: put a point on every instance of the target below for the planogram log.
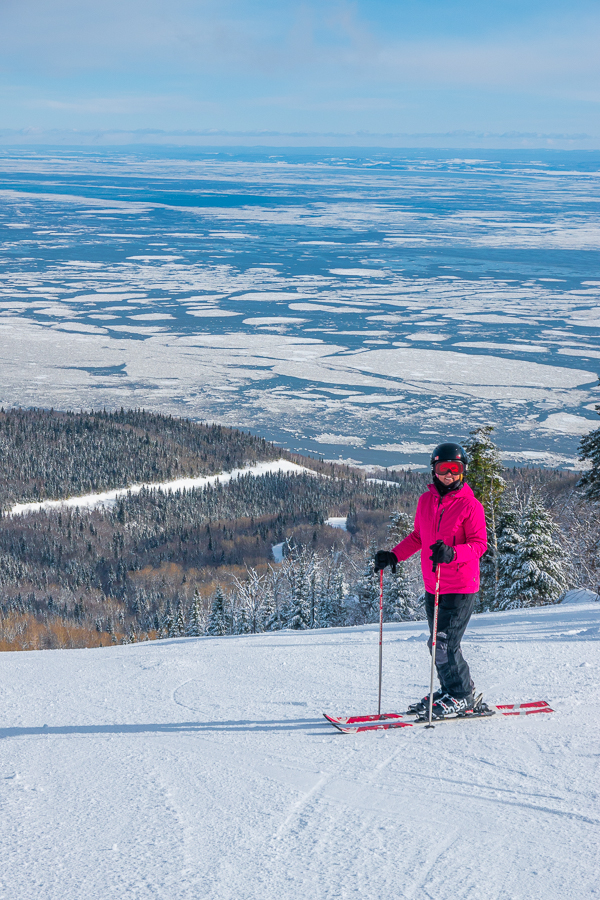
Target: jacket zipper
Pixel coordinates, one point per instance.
(440, 525)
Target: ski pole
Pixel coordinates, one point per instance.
(380, 636)
(433, 643)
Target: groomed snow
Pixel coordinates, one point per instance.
(202, 768)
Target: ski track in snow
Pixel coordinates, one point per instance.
(202, 768)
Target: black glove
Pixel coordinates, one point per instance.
(385, 558)
(442, 553)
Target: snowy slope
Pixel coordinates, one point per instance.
(202, 768)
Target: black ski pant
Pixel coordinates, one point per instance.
(454, 613)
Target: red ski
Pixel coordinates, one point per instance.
(524, 709)
(358, 720)
(357, 724)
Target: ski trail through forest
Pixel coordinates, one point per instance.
(109, 498)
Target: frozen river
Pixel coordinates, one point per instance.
(359, 306)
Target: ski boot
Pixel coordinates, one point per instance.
(422, 706)
(447, 705)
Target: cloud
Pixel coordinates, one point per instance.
(236, 36)
(123, 104)
(289, 67)
(541, 64)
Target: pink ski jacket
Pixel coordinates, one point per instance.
(458, 520)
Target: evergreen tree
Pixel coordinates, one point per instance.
(398, 602)
(271, 617)
(509, 538)
(351, 520)
(196, 620)
(179, 623)
(589, 450)
(298, 574)
(166, 625)
(488, 485)
(217, 620)
(539, 564)
(332, 606)
(400, 526)
(367, 590)
(241, 625)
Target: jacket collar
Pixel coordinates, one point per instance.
(463, 491)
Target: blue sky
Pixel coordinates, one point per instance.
(500, 71)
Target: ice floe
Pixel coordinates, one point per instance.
(337, 258)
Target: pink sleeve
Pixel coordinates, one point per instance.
(476, 536)
(408, 546)
(412, 543)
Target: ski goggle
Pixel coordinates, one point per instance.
(454, 466)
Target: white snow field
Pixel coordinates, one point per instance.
(202, 768)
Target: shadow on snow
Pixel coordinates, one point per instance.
(231, 725)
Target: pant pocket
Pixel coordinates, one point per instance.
(441, 649)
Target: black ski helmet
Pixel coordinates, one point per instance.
(447, 452)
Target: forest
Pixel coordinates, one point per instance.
(46, 454)
(160, 564)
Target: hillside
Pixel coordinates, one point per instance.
(47, 454)
(150, 559)
(124, 570)
(195, 768)
(73, 577)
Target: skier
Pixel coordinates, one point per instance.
(449, 522)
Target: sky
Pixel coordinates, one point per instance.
(389, 72)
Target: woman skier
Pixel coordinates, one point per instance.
(449, 522)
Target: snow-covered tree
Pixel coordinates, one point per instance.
(298, 567)
(166, 625)
(509, 538)
(398, 601)
(250, 596)
(217, 620)
(367, 590)
(271, 613)
(241, 625)
(196, 620)
(535, 572)
(179, 621)
(332, 593)
(401, 525)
